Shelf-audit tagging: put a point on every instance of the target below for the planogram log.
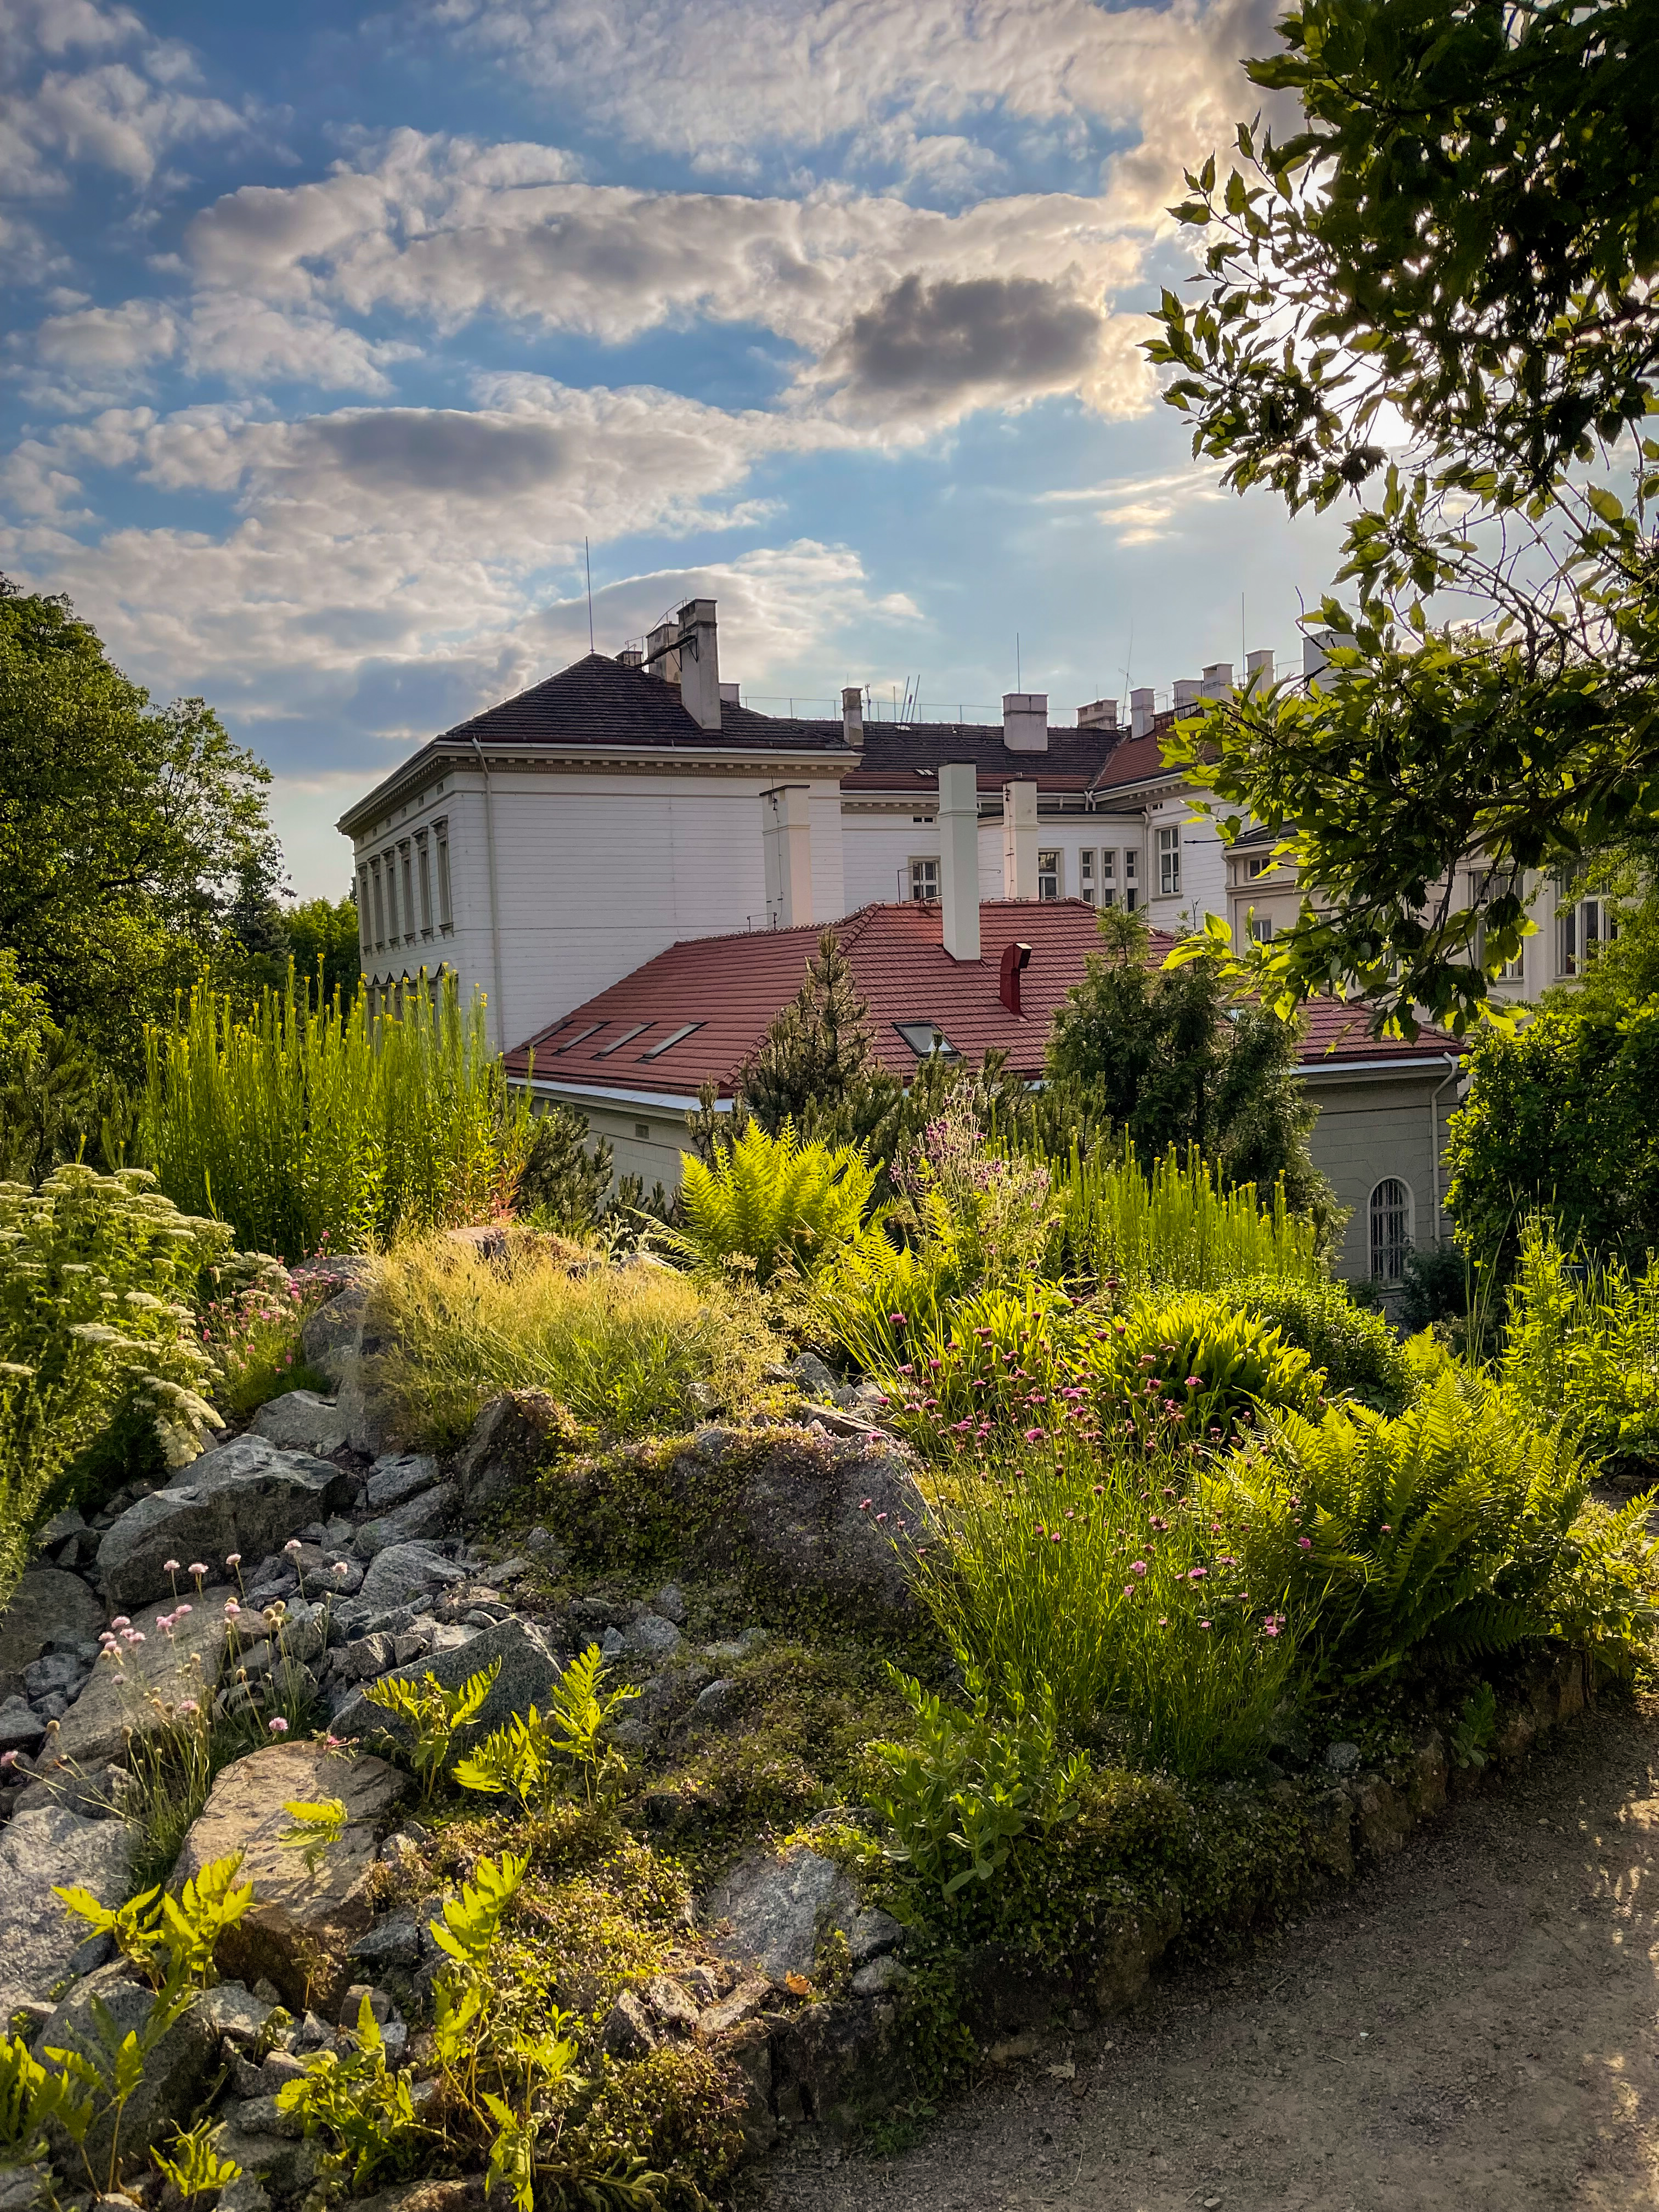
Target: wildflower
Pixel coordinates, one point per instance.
(880, 1517)
(132, 1635)
(897, 1321)
(865, 1504)
(1195, 1381)
(342, 1567)
(277, 1726)
(1138, 1567)
(1129, 1590)
(292, 1546)
(8, 1759)
(196, 1569)
(188, 1705)
(1034, 1436)
(120, 1621)
(1100, 1490)
(232, 1558)
(233, 1611)
(1305, 1543)
(169, 1567)
(1197, 1574)
(1164, 1620)
(1203, 1623)
(1273, 1623)
(1386, 1530)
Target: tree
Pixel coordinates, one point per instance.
(1457, 250)
(1169, 1057)
(126, 830)
(325, 931)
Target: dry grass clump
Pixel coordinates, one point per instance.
(628, 1348)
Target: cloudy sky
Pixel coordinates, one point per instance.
(331, 332)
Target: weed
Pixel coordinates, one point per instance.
(521, 1759)
(1477, 1728)
(314, 1828)
(195, 2169)
(431, 1714)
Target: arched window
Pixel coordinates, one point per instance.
(1391, 1229)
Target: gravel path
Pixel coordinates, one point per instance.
(1476, 2026)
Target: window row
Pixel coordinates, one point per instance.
(400, 891)
(1098, 879)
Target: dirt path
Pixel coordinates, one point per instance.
(1476, 2026)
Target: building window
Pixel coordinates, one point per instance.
(408, 867)
(1580, 930)
(642, 1128)
(1131, 885)
(446, 914)
(1168, 863)
(1049, 877)
(1391, 1229)
(674, 1037)
(1495, 883)
(365, 919)
(1085, 878)
(604, 1051)
(379, 904)
(389, 870)
(1109, 879)
(1261, 928)
(424, 856)
(924, 880)
(925, 1038)
(1259, 865)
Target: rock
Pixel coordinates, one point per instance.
(414, 1522)
(134, 1696)
(23, 2187)
(246, 2193)
(839, 2064)
(302, 1924)
(872, 1934)
(880, 1976)
(749, 2050)
(394, 1941)
(670, 2004)
(1127, 1946)
(20, 1726)
(780, 1909)
(39, 1944)
(328, 1337)
(400, 1476)
(403, 1571)
(651, 1634)
(1381, 1814)
(301, 1421)
(273, 2161)
(61, 1526)
(244, 1497)
(514, 1436)
(1342, 1759)
(47, 1605)
(1426, 1785)
(627, 2030)
(54, 1670)
(715, 1697)
(238, 2016)
(747, 1999)
(1330, 1832)
(98, 1794)
(529, 1667)
(176, 2069)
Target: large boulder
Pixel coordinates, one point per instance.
(514, 1436)
(529, 1668)
(303, 1920)
(39, 1944)
(328, 1337)
(403, 1574)
(245, 1496)
(774, 1911)
(48, 1607)
(301, 1421)
(416, 1521)
(175, 2069)
(137, 1694)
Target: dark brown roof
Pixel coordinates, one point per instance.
(731, 989)
(907, 757)
(597, 701)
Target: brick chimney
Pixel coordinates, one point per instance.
(958, 846)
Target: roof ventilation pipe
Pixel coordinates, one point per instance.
(958, 844)
(1015, 959)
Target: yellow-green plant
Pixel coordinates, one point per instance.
(314, 1827)
(172, 1939)
(114, 2070)
(1173, 1226)
(1581, 1342)
(430, 1715)
(32, 2096)
(523, 1759)
(196, 2167)
(366, 2109)
(775, 1202)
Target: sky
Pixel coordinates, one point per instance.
(331, 333)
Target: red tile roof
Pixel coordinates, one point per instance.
(732, 988)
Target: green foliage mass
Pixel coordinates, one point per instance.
(773, 1202)
(1358, 1350)
(1581, 1346)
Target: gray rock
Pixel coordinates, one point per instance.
(400, 1476)
(238, 2016)
(872, 1933)
(61, 1526)
(330, 1336)
(175, 2071)
(38, 1942)
(415, 1520)
(671, 1603)
(1342, 1759)
(366, 1658)
(613, 1643)
(132, 1697)
(20, 1726)
(403, 1571)
(245, 1496)
(23, 2187)
(811, 1375)
(628, 2030)
(512, 1437)
(529, 1668)
(394, 1941)
(780, 1909)
(276, 2162)
(880, 1976)
(54, 1670)
(98, 1794)
(301, 1421)
(651, 1634)
(716, 1698)
(246, 2193)
(48, 1604)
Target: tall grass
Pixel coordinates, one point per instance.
(1174, 1225)
(318, 1125)
(626, 1349)
(1580, 1341)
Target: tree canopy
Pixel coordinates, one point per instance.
(1435, 300)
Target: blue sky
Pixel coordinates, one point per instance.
(331, 332)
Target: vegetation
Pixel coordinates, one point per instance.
(772, 1200)
(1581, 1344)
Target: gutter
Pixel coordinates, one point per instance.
(1454, 1066)
(662, 1101)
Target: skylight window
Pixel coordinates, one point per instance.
(618, 1042)
(926, 1038)
(674, 1037)
(571, 1043)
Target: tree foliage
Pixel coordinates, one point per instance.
(1454, 254)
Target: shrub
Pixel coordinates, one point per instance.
(1582, 1341)
(774, 1202)
(1358, 1350)
(322, 1125)
(994, 1212)
(1174, 1227)
(1444, 1536)
(627, 1348)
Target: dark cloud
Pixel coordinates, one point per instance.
(438, 450)
(925, 343)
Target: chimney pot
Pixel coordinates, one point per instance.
(1098, 714)
(1261, 664)
(959, 844)
(661, 660)
(729, 695)
(629, 657)
(1188, 690)
(1143, 708)
(1025, 722)
(1015, 957)
(852, 715)
(1218, 680)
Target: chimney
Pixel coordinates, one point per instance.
(1217, 681)
(1259, 664)
(852, 717)
(1025, 722)
(629, 657)
(1098, 714)
(1188, 690)
(729, 694)
(699, 663)
(1019, 836)
(1014, 958)
(1315, 651)
(1143, 707)
(787, 849)
(661, 656)
(958, 846)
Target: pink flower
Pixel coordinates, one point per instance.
(1195, 1381)
(1197, 1574)
(120, 1621)
(1273, 1625)
(1138, 1566)
(865, 1504)
(196, 1569)
(232, 1558)
(292, 1545)
(277, 1727)
(342, 1567)
(1386, 1530)
(189, 1705)
(1203, 1623)
(1129, 1590)
(8, 1759)
(1034, 1436)
(232, 1609)
(169, 1567)
(1305, 1543)
(133, 1635)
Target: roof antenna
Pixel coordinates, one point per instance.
(588, 565)
(1018, 684)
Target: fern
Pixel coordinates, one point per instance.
(775, 1202)
(431, 1714)
(471, 1921)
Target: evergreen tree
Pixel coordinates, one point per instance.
(562, 1185)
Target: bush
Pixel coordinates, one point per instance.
(1581, 1341)
(775, 1202)
(324, 1125)
(1358, 1350)
(627, 1348)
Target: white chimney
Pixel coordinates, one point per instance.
(1315, 651)
(1143, 707)
(1188, 690)
(699, 663)
(1259, 664)
(786, 847)
(1019, 836)
(852, 716)
(1217, 681)
(729, 694)
(958, 848)
(1025, 722)
(661, 656)
(1098, 714)
(629, 657)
